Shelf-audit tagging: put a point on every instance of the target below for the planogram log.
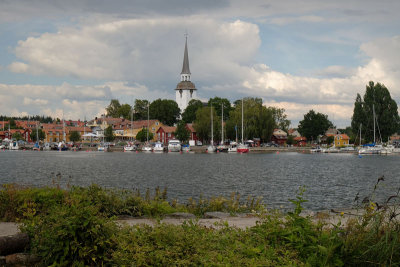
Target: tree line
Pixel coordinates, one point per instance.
(259, 121)
(376, 107)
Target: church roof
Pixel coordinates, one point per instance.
(185, 67)
(185, 85)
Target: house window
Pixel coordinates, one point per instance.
(180, 92)
(153, 129)
(169, 134)
(156, 123)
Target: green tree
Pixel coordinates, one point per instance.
(217, 103)
(202, 124)
(290, 140)
(164, 110)
(113, 108)
(258, 120)
(330, 140)
(376, 100)
(74, 136)
(17, 136)
(189, 115)
(140, 109)
(41, 134)
(12, 124)
(280, 118)
(109, 134)
(314, 124)
(142, 135)
(182, 133)
(125, 111)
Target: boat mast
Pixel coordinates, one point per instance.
(373, 110)
(222, 126)
(148, 115)
(37, 133)
(360, 133)
(212, 133)
(242, 121)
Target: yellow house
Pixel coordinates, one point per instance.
(341, 140)
(131, 132)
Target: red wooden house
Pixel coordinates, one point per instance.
(193, 134)
(165, 133)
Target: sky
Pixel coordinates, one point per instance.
(70, 58)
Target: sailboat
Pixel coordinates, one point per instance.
(130, 146)
(147, 147)
(242, 148)
(222, 147)
(36, 146)
(211, 147)
(371, 148)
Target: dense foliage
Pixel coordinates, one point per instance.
(109, 135)
(140, 109)
(165, 110)
(182, 133)
(202, 124)
(41, 135)
(376, 100)
(74, 136)
(75, 227)
(189, 115)
(17, 136)
(142, 135)
(258, 120)
(218, 103)
(314, 124)
(116, 110)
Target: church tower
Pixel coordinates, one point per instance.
(185, 90)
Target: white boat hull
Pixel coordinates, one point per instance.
(211, 149)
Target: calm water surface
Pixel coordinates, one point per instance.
(331, 180)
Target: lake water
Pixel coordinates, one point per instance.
(331, 180)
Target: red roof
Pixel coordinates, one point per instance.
(300, 138)
(168, 129)
(344, 136)
(190, 127)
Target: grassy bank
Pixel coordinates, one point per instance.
(77, 227)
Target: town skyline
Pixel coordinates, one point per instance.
(73, 58)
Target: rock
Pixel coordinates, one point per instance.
(13, 243)
(182, 215)
(23, 259)
(216, 215)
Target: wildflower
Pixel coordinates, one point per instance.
(342, 213)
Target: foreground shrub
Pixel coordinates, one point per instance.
(16, 201)
(72, 234)
(193, 245)
(374, 238)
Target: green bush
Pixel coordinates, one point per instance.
(72, 234)
(192, 245)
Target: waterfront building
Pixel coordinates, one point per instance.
(192, 130)
(25, 133)
(131, 132)
(279, 137)
(166, 133)
(185, 90)
(341, 140)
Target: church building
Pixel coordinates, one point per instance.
(185, 90)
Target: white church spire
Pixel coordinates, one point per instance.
(185, 90)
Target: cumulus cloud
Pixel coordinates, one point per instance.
(139, 49)
(66, 100)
